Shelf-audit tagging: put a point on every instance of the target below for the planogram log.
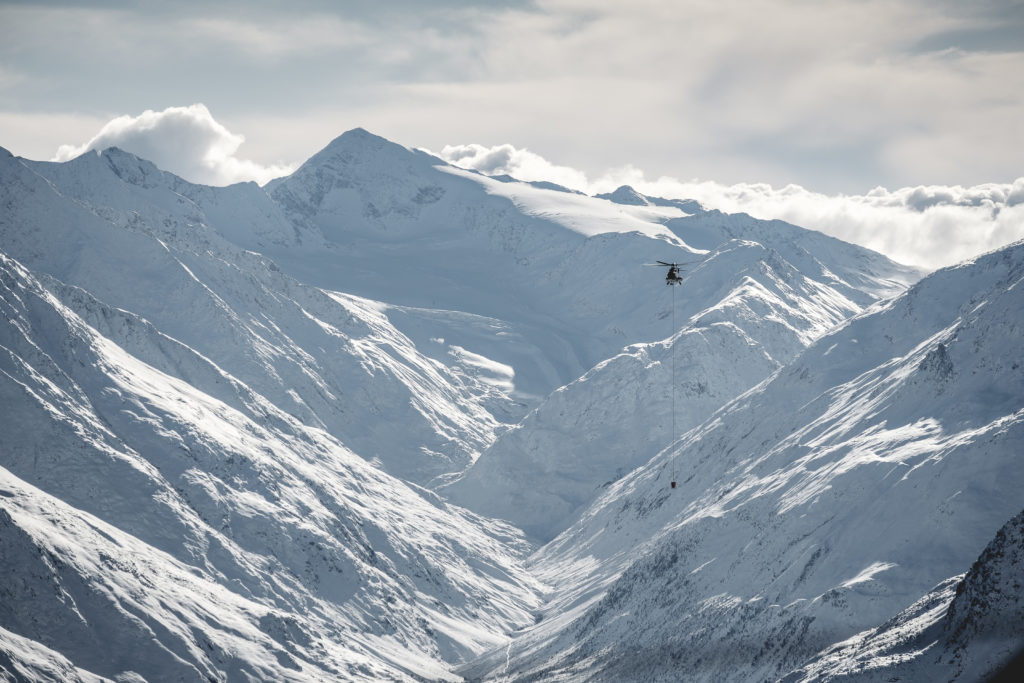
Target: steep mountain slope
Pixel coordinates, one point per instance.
(968, 629)
(381, 221)
(561, 270)
(861, 274)
(815, 506)
(154, 527)
(759, 312)
(130, 236)
(748, 310)
(220, 405)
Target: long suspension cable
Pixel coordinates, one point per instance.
(672, 352)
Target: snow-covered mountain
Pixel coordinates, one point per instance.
(318, 430)
(817, 505)
(141, 240)
(161, 517)
(560, 269)
(967, 629)
(199, 409)
(752, 312)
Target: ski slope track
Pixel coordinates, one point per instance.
(389, 419)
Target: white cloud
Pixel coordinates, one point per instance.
(838, 96)
(186, 141)
(519, 163)
(928, 226)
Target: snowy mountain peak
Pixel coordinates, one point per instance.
(628, 196)
(355, 139)
(625, 195)
(131, 168)
(361, 147)
(819, 503)
(231, 417)
(359, 183)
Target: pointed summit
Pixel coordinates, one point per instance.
(129, 167)
(355, 157)
(360, 182)
(625, 195)
(355, 138)
(359, 146)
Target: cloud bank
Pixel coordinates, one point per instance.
(186, 141)
(518, 163)
(837, 96)
(928, 226)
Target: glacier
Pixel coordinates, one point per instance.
(390, 419)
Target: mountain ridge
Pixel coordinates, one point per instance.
(827, 497)
(274, 512)
(232, 417)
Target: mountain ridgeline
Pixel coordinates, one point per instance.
(389, 419)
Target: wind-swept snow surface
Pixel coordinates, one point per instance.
(133, 238)
(558, 271)
(236, 423)
(562, 271)
(202, 539)
(199, 408)
(819, 504)
(743, 311)
(968, 629)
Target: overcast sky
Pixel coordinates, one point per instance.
(735, 99)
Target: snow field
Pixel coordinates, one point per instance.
(237, 421)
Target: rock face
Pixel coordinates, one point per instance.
(983, 627)
(967, 629)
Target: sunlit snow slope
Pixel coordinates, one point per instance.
(147, 242)
(176, 445)
(819, 504)
(561, 271)
(238, 425)
(967, 629)
(743, 310)
(161, 517)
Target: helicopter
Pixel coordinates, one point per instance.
(672, 277)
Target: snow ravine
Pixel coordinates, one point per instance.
(387, 419)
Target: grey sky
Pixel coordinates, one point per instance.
(837, 96)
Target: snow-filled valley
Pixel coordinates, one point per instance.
(389, 419)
